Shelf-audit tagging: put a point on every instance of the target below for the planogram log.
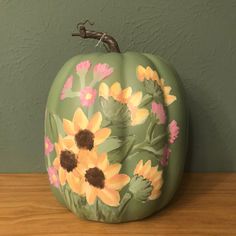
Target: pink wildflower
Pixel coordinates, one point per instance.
(165, 158)
(82, 68)
(159, 111)
(101, 71)
(48, 146)
(67, 86)
(53, 176)
(87, 96)
(174, 131)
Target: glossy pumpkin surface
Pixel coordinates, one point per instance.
(115, 135)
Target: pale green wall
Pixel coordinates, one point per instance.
(197, 36)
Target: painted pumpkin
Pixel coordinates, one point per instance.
(115, 134)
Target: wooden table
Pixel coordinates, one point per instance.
(205, 205)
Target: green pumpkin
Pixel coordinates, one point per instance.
(115, 135)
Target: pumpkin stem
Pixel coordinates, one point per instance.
(102, 37)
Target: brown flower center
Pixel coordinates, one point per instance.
(95, 177)
(85, 139)
(68, 160)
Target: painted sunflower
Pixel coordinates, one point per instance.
(152, 175)
(125, 96)
(87, 134)
(149, 74)
(66, 163)
(100, 179)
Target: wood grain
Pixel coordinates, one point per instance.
(204, 205)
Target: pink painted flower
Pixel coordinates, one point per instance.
(53, 176)
(87, 96)
(101, 71)
(62, 96)
(174, 131)
(165, 158)
(48, 146)
(67, 86)
(82, 68)
(159, 111)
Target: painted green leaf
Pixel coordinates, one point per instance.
(146, 100)
(111, 143)
(151, 86)
(81, 201)
(158, 139)
(117, 113)
(107, 212)
(152, 150)
(150, 128)
(124, 203)
(55, 125)
(59, 125)
(51, 126)
(140, 187)
(158, 96)
(120, 153)
(67, 197)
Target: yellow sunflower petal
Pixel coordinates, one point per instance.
(95, 122)
(141, 72)
(155, 76)
(93, 158)
(109, 196)
(74, 183)
(117, 181)
(139, 116)
(157, 176)
(84, 185)
(135, 99)
(151, 173)
(68, 127)
(81, 169)
(101, 135)
(169, 99)
(146, 168)
(155, 194)
(161, 83)
(158, 173)
(61, 143)
(125, 94)
(76, 173)
(80, 120)
(104, 90)
(87, 158)
(112, 170)
(69, 142)
(148, 73)
(102, 161)
(157, 183)
(138, 167)
(56, 163)
(62, 175)
(166, 90)
(91, 194)
(74, 149)
(82, 156)
(58, 149)
(115, 90)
